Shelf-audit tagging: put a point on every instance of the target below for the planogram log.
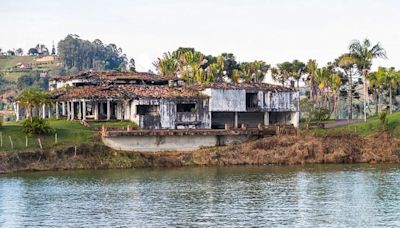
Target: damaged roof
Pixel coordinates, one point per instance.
(248, 86)
(125, 91)
(114, 75)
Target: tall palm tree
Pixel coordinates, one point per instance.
(346, 63)
(374, 84)
(392, 82)
(167, 65)
(311, 69)
(365, 54)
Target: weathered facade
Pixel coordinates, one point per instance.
(252, 104)
(156, 102)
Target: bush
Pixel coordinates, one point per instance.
(383, 121)
(1, 121)
(321, 114)
(36, 126)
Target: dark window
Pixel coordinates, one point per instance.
(186, 107)
(251, 100)
(153, 110)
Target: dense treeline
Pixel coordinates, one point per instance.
(77, 54)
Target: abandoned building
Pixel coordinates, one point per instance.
(157, 102)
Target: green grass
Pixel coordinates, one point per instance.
(371, 127)
(112, 124)
(68, 133)
(9, 62)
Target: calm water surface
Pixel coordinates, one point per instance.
(310, 196)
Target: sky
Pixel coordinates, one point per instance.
(271, 30)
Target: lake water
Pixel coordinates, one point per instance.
(308, 196)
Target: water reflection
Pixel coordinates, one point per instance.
(322, 195)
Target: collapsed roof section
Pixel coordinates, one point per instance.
(110, 76)
(246, 86)
(119, 92)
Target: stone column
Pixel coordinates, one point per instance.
(84, 110)
(236, 124)
(96, 111)
(266, 118)
(72, 110)
(17, 117)
(80, 110)
(108, 110)
(68, 110)
(63, 108)
(44, 111)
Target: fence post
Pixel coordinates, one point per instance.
(40, 144)
(1, 139)
(55, 138)
(26, 141)
(11, 142)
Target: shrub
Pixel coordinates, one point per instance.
(383, 121)
(321, 114)
(1, 121)
(36, 126)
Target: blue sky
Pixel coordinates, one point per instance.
(273, 31)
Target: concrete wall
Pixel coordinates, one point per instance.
(169, 118)
(170, 143)
(227, 100)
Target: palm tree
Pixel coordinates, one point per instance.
(375, 86)
(167, 65)
(365, 54)
(311, 69)
(298, 69)
(33, 98)
(346, 63)
(392, 81)
(282, 72)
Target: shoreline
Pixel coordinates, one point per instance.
(276, 150)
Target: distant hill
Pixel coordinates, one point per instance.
(14, 67)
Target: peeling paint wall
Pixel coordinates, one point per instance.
(169, 118)
(227, 100)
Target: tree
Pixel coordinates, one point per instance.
(298, 69)
(79, 54)
(33, 51)
(42, 49)
(10, 53)
(365, 54)
(311, 69)
(167, 65)
(132, 65)
(33, 97)
(346, 63)
(19, 52)
(282, 72)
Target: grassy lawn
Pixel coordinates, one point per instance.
(372, 126)
(112, 124)
(68, 133)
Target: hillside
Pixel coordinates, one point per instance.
(14, 67)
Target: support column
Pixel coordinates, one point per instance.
(80, 110)
(236, 124)
(68, 110)
(266, 118)
(17, 117)
(108, 110)
(57, 111)
(63, 108)
(44, 111)
(96, 111)
(84, 110)
(72, 110)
